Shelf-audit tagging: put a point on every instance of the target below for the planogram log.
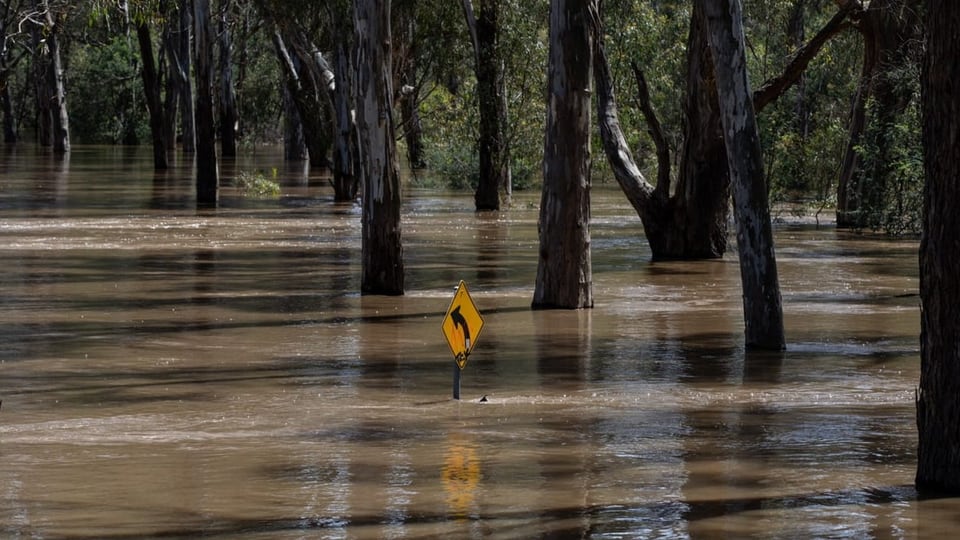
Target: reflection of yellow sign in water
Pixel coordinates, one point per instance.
(460, 475)
(462, 324)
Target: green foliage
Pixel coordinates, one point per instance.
(891, 154)
(257, 184)
(449, 105)
(106, 94)
(804, 132)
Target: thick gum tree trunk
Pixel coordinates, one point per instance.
(382, 252)
(564, 274)
(938, 397)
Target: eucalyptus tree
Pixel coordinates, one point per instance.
(382, 251)
(938, 398)
(46, 23)
(208, 177)
(892, 33)
(229, 117)
(763, 314)
(685, 213)
(490, 69)
(12, 50)
(564, 271)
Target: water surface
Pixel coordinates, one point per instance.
(168, 372)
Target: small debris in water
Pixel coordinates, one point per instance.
(482, 400)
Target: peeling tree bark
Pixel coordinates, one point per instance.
(938, 400)
(382, 252)
(564, 274)
(763, 314)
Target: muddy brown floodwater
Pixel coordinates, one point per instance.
(174, 373)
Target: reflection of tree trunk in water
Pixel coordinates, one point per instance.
(888, 27)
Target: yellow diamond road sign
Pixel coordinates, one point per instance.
(462, 324)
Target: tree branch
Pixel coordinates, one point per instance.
(472, 26)
(638, 191)
(774, 88)
(656, 133)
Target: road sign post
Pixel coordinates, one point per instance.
(461, 327)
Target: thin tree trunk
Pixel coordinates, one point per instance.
(151, 88)
(495, 176)
(888, 28)
(564, 271)
(58, 92)
(9, 122)
(410, 96)
(938, 398)
(207, 173)
(382, 252)
(228, 95)
(763, 314)
(188, 126)
(346, 156)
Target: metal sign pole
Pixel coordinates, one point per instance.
(456, 381)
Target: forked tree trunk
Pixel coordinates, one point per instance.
(689, 220)
(382, 252)
(762, 311)
(938, 397)
(564, 272)
(206, 160)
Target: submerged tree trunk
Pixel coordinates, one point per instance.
(53, 122)
(151, 86)
(408, 92)
(689, 220)
(228, 94)
(938, 396)
(309, 81)
(382, 252)
(888, 28)
(762, 311)
(207, 174)
(564, 271)
(692, 222)
(346, 164)
(188, 126)
(495, 177)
